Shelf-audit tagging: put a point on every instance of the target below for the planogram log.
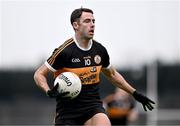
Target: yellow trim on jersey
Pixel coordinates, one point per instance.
(87, 75)
(59, 50)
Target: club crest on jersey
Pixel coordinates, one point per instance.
(93, 69)
(97, 59)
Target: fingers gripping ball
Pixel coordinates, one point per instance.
(68, 82)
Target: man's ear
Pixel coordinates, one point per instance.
(75, 25)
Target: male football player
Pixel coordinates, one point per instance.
(85, 57)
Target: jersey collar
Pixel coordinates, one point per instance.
(84, 49)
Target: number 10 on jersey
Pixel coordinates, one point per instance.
(87, 62)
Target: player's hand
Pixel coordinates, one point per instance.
(146, 102)
(53, 93)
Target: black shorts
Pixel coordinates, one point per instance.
(80, 119)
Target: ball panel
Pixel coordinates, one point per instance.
(68, 82)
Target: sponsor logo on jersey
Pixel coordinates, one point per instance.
(88, 75)
(97, 59)
(75, 60)
(90, 79)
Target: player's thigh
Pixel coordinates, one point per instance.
(99, 119)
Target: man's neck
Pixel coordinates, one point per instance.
(82, 42)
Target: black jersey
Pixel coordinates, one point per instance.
(87, 65)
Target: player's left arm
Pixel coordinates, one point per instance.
(118, 80)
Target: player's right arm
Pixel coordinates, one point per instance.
(40, 77)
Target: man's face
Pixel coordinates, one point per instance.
(86, 25)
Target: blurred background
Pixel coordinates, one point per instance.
(141, 36)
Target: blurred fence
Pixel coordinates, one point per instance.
(22, 102)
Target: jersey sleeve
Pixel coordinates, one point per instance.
(54, 62)
(106, 58)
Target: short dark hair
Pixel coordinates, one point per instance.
(76, 14)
